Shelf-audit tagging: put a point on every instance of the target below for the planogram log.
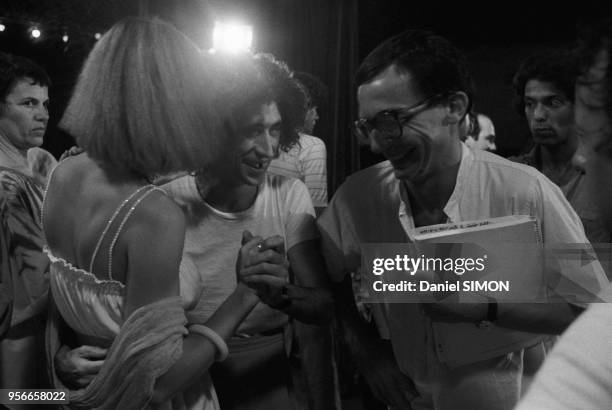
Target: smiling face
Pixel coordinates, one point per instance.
(425, 144)
(24, 115)
(550, 114)
(258, 141)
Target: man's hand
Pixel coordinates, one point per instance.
(76, 368)
(265, 268)
(388, 383)
(248, 248)
(472, 309)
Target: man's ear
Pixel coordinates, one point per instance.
(457, 107)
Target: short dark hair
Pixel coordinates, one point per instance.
(555, 66)
(437, 66)
(14, 69)
(315, 89)
(260, 79)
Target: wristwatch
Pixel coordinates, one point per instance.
(286, 300)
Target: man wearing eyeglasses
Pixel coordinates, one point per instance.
(413, 93)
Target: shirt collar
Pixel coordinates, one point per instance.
(451, 209)
(10, 157)
(452, 206)
(534, 158)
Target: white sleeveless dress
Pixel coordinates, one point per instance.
(93, 307)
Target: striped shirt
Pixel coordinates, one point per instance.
(306, 161)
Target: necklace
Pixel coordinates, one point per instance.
(125, 218)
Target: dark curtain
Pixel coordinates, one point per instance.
(320, 37)
(316, 36)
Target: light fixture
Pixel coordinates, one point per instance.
(232, 37)
(97, 36)
(35, 33)
(2, 27)
(65, 38)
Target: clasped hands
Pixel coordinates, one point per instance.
(262, 265)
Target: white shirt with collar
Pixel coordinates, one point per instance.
(369, 207)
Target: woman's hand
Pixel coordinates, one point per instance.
(264, 268)
(76, 368)
(71, 152)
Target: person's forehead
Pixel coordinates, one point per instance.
(537, 88)
(266, 113)
(486, 126)
(26, 87)
(390, 89)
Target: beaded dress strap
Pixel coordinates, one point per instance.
(110, 222)
(125, 218)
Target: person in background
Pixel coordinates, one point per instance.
(483, 133)
(23, 266)
(306, 158)
(578, 372)
(318, 99)
(544, 97)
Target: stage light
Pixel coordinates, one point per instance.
(2, 27)
(35, 33)
(232, 37)
(65, 38)
(97, 36)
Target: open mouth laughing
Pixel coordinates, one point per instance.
(256, 164)
(402, 159)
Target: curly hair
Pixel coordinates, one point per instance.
(288, 94)
(315, 89)
(260, 79)
(557, 66)
(437, 66)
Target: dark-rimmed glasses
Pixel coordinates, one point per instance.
(390, 123)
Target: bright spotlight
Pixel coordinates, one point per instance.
(2, 27)
(97, 36)
(65, 38)
(232, 37)
(35, 33)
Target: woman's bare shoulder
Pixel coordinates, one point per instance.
(70, 172)
(157, 218)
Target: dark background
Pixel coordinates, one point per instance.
(325, 37)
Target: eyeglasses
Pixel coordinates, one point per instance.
(390, 123)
